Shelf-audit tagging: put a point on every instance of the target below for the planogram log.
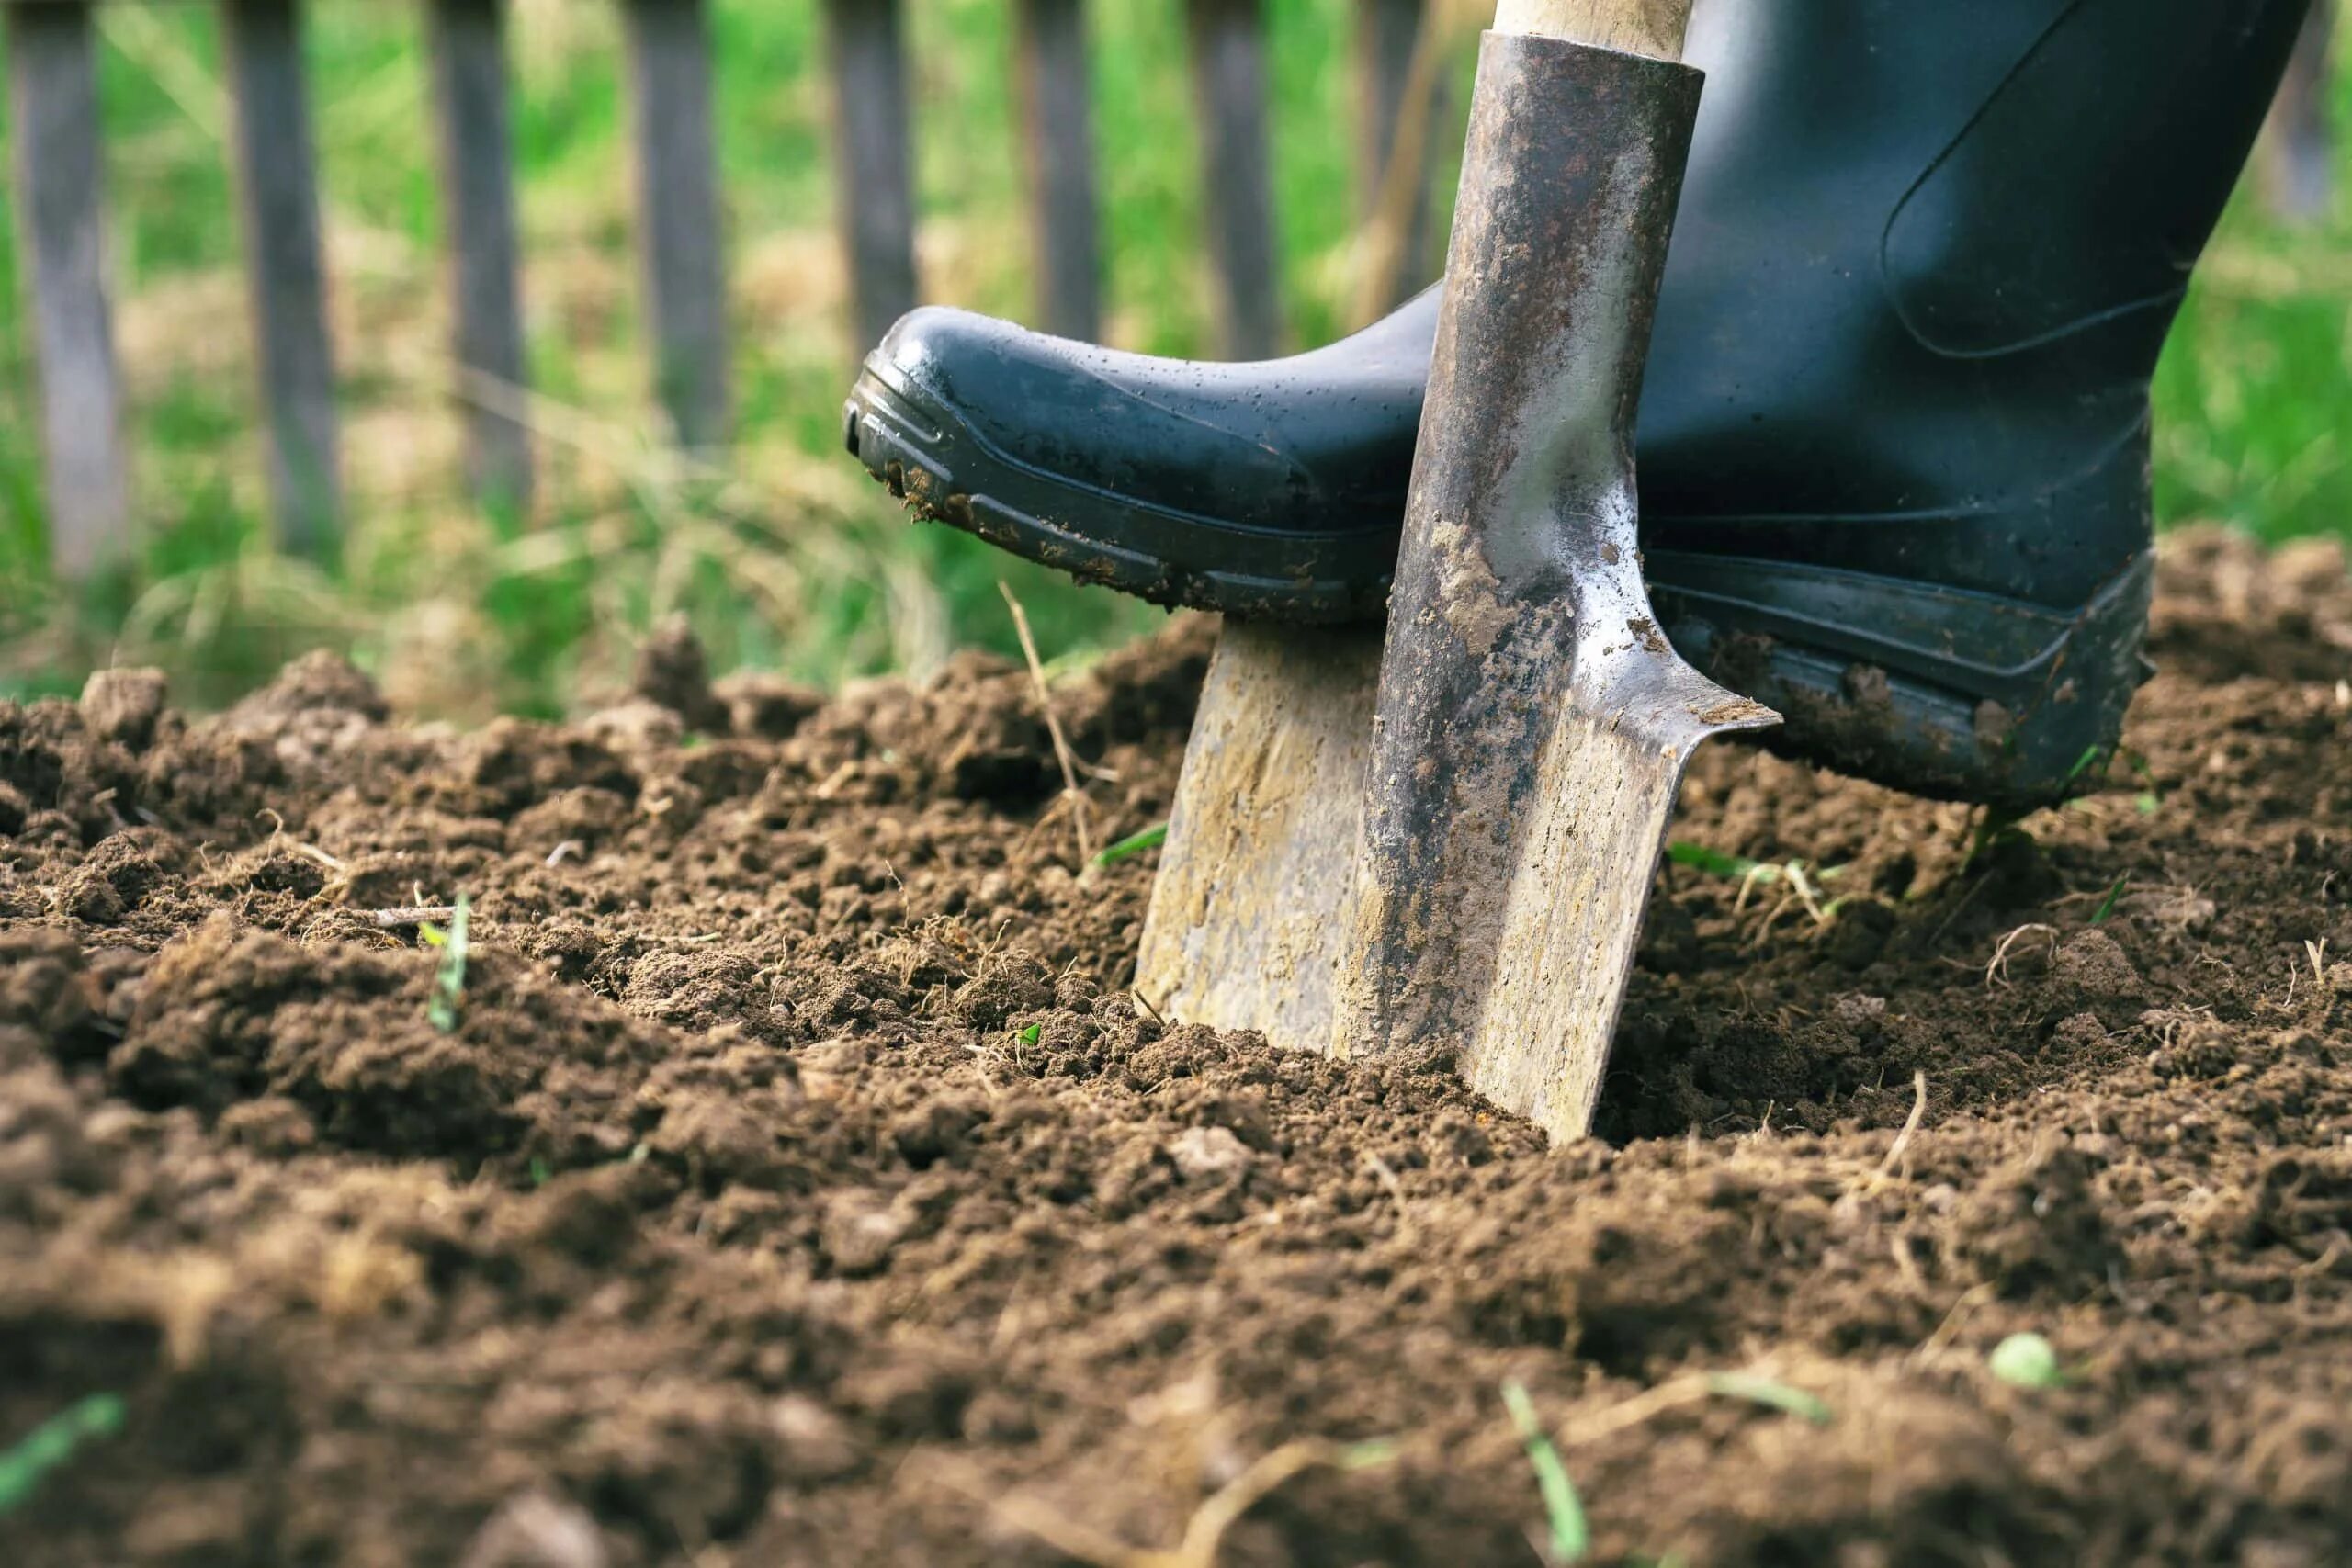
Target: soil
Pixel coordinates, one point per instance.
(800, 1183)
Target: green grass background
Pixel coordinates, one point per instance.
(789, 559)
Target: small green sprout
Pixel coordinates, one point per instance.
(1133, 844)
(2150, 799)
(1995, 827)
(1752, 874)
(51, 1443)
(1714, 862)
(1739, 868)
(449, 982)
(1769, 1392)
(1571, 1537)
(1029, 1035)
(2027, 1361)
(2107, 906)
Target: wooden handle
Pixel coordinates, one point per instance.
(1654, 27)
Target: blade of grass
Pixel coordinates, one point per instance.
(1571, 1537)
(51, 1443)
(2090, 755)
(1133, 844)
(2107, 906)
(1769, 1392)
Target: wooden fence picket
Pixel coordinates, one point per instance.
(284, 269)
(1058, 131)
(679, 229)
(52, 93)
(678, 232)
(467, 42)
(1228, 50)
(873, 171)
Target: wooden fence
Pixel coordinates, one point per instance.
(61, 219)
(60, 210)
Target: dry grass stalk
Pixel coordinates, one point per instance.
(402, 920)
(1070, 790)
(1997, 971)
(1910, 1124)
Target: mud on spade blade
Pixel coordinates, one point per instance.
(1534, 721)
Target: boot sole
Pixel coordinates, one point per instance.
(1941, 692)
(946, 475)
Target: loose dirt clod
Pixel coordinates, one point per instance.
(798, 1144)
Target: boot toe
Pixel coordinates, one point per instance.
(1220, 486)
(1162, 434)
(930, 348)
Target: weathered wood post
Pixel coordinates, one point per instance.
(1057, 130)
(468, 41)
(680, 246)
(874, 200)
(1228, 43)
(284, 269)
(60, 190)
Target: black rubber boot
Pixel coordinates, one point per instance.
(1894, 444)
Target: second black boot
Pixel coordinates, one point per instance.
(1893, 441)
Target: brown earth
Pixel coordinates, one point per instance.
(799, 1185)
